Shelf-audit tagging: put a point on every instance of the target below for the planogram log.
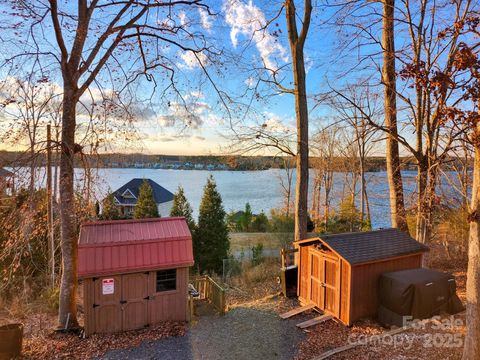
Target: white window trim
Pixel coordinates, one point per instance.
(131, 194)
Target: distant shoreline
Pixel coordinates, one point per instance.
(204, 162)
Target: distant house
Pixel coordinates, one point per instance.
(126, 197)
(7, 184)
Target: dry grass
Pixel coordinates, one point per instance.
(254, 282)
(245, 241)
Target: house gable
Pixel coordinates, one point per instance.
(127, 194)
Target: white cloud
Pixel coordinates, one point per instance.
(182, 16)
(308, 63)
(192, 115)
(197, 94)
(248, 20)
(190, 61)
(276, 124)
(205, 19)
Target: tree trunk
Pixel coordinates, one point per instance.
(362, 189)
(421, 223)
(326, 211)
(367, 204)
(301, 112)
(67, 315)
(315, 210)
(395, 183)
(471, 348)
(426, 206)
(32, 174)
(328, 184)
(287, 199)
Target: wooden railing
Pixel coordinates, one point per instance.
(209, 290)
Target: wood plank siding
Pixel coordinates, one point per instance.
(134, 303)
(365, 277)
(333, 277)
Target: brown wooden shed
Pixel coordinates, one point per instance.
(339, 273)
(134, 272)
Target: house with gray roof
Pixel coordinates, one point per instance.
(126, 197)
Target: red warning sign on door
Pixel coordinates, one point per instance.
(108, 286)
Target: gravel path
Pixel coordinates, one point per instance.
(243, 333)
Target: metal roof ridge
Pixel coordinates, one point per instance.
(133, 242)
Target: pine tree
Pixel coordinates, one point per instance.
(246, 218)
(109, 209)
(181, 207)
(146, 206)
(211, 242)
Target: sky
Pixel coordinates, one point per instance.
(218, 94)
(237, 28)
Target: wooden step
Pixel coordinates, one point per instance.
(297, 311)
(318, 320)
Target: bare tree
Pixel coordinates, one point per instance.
(91, 39)
(426, 67)
(397, 205)
(316, 212)
(297, 43)
(262, 136)
(325, 148)
(26, 107)
(466, 116)
(425, 61)
(286, 184)
(363, 135)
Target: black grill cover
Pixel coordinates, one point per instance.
(420, 293)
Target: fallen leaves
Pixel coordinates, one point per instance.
(68, 346)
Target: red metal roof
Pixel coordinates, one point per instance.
(121, 246)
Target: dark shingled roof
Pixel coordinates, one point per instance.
(369, 246)
(160, 194)
(5, 172)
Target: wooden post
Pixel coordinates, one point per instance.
(223, 301)
(51, 238)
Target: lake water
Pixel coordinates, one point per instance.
(260, 188)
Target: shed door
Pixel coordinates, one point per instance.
(315, 283)
(134, 301)
(106, 304)
(324, 281)
(330, 285)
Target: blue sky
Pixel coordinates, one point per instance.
(195, 119)
(237, 29)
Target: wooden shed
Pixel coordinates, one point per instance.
(134, 272)
(339, 273)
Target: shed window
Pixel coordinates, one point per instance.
(166, 280)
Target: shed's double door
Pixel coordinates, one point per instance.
(323, 270)
(121, 302)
